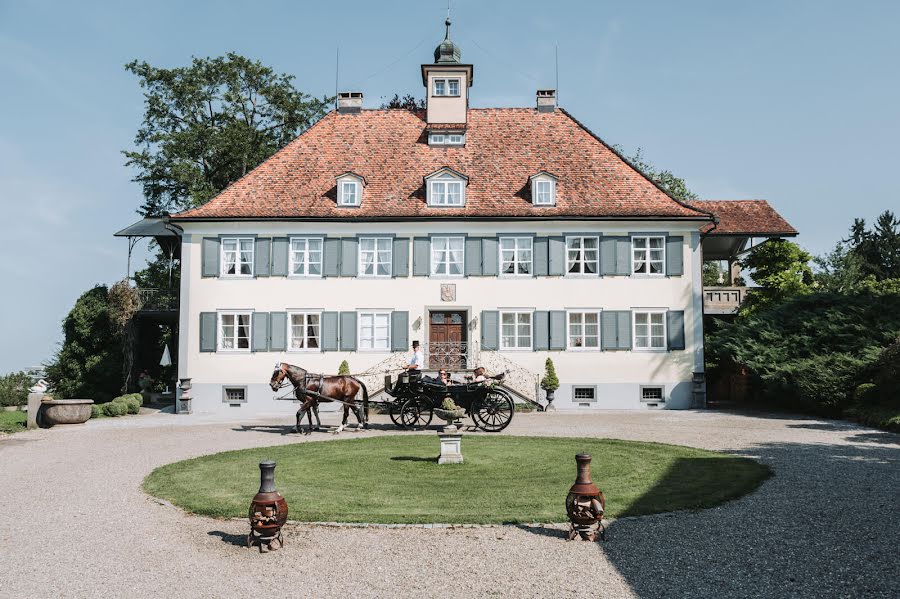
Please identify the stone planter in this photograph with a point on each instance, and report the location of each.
(450, 415)
(65, 411)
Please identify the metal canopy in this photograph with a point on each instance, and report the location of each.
(148, 227)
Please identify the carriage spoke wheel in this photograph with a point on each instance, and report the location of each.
(394, 412)
(494, 412)
(416, 413)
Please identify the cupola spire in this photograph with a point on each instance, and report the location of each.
(447, 51)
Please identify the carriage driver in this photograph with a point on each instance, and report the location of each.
(416, 360)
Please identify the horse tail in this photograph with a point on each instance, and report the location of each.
(365, 400)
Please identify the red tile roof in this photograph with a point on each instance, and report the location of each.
(746, 217)
(504, 147)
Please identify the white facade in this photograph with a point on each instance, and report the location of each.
(617, 377)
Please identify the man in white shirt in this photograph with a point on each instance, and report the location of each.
(416, 360)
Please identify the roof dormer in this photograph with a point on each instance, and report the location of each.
(543, 189)
(350, 189)
(446, 188)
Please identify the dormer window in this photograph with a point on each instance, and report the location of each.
(543, 189)
(446, 139)
(446, 188)
(446, 87)
(349, 190)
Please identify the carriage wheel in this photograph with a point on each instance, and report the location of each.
(494, 412)
(394, 412)
(416, 413)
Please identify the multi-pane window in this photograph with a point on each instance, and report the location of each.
(648, 255)
(582, 255)
(446, 87)
(584, 330)
(447, 255)
(543, 192)
(443, 139)
(515, 330)
(374, 330)
(306, 256)
(234, 331)
(650, 330)
(652, 394)
(375, 256)
(237, 256)
(303, 330)
(516, 255)
(444, 192)
(581, 394)
(349, 195)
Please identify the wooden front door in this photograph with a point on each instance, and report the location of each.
(447, 340)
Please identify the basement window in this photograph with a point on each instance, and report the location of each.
(584, 394)
(234, 395)
(652, 394)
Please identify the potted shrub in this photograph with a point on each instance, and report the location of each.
(449, 411)
(550, 383)
(344, 368)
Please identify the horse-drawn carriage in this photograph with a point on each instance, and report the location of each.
(415, 399)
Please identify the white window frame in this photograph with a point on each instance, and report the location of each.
(571, 346)
(227, 388)
(342, 194)
(220, 336)
(516, 261)
(437, 139)
(292, 262)
(290, 330)
(445, 253)
(581, 261)
(645, 272)
(517, 324)
(238, 262)
(650, 336)
(456, 139)
(439, 191)
(662, 393)
(359, 330)
(446, 139)
(361, 266)
(575, 389)
(536, 196)
(445, 83)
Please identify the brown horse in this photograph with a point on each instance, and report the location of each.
(334, 388)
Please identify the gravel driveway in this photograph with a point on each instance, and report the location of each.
(76, 523)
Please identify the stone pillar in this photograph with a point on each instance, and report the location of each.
(34, 405)
(183, 400)
(451, 446)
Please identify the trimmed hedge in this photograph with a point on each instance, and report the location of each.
(124, 404)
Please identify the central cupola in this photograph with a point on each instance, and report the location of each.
(447, 83)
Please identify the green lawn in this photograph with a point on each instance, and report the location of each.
(12, 422)
(504, 479)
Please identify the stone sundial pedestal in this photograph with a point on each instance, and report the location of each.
(451, 445)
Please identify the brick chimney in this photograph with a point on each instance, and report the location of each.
(350, 102)
(546, 100)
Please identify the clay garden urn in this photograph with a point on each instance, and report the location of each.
(585, 503)
(268, 511)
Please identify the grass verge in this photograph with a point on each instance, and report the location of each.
(397, 479)
(12, 422)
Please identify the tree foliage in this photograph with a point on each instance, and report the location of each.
(89, 362)
(14, 389)
(407, 102)
(781, 269)
(674, 186)
(866, 259)
(550, 382)
(208, 124)
(344, 368)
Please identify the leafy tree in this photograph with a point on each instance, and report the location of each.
(407, 102)
(89, 363)
(674, 186)
(781, 268)
(878, 250)
(156, 275)
(208, 124)
(711, 273)
(14, 389)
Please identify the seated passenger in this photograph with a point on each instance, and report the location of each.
(445, 377)
(478, 375)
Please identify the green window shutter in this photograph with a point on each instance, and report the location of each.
(490, 329)
(540, 330)
(209, 323)
(210, 258)
(399, 331)
(473, 257)
(278, 331)
(675, 256)
(400, 257)
(557, 329)
(490, 250)
(624, 329)
(675, 328)
(259, 331)
(348, 331)
(607, 255)
(330, 331)
(539, 256)
(421, 257)
(623, 255)
(349, 256)
(609, 330)
(331, 257)
(557, 256)
(280, 249)
(262, 257)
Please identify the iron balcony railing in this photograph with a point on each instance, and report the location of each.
(157, 300)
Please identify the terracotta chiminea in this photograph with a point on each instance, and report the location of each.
(585, 503)
(268, 511)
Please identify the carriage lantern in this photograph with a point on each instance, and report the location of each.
(268, 511)
(585, 503)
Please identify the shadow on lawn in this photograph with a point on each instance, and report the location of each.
(824, 525)
(409, 458)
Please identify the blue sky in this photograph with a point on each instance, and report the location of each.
(792, 101)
